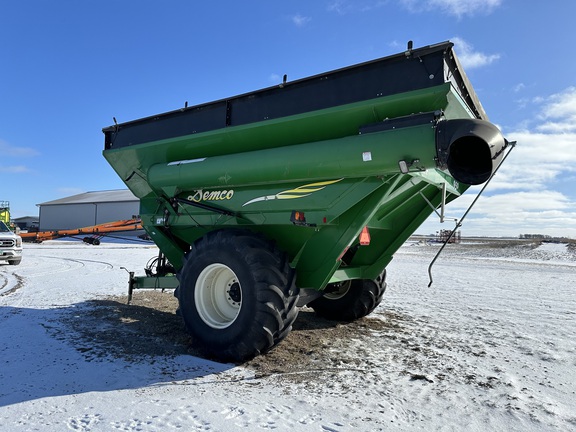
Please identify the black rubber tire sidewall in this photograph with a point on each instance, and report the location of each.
(266, 314)
(361, 299)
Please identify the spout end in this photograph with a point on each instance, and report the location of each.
(470, 149)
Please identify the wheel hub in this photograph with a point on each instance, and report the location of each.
(218, 296)
(337, 290)
(235, 293)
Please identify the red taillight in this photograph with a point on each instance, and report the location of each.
(298, 218)
(364, 237)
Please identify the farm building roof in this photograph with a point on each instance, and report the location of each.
(118, 195)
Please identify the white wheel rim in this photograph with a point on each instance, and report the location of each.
(218, 296)
(340, 292)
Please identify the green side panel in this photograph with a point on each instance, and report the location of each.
(132, 163)
(392, 212)
(336, 211)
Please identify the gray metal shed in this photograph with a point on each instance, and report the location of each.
(87, 209)
(26, 222)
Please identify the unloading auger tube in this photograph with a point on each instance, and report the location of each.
(469, 149)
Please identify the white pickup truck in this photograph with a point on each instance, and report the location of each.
(10, 245)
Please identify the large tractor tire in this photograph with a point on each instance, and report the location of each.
(350, 300)
(237, 295)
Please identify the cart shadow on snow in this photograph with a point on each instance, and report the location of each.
(106, 344)
(94, 346)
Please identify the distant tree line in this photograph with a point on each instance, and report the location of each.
(546, 238)
(535, 236)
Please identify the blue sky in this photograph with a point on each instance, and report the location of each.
(68, 67)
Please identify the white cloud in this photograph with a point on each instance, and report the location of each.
(8, 150)
(546, 150)
(559, 113)
(537, 148)
(343, 7)
(373, 5)
(15, 169)
(519, 87)
(457, 8)
(537, 161)
(469, 57)
(511, 214)
(300, 20)
(338, 6)
(503, 204)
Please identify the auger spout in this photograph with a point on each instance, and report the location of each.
(470, 149)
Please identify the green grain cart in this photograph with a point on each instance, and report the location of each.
(300, 194)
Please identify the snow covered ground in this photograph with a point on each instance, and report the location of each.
(491, 345)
